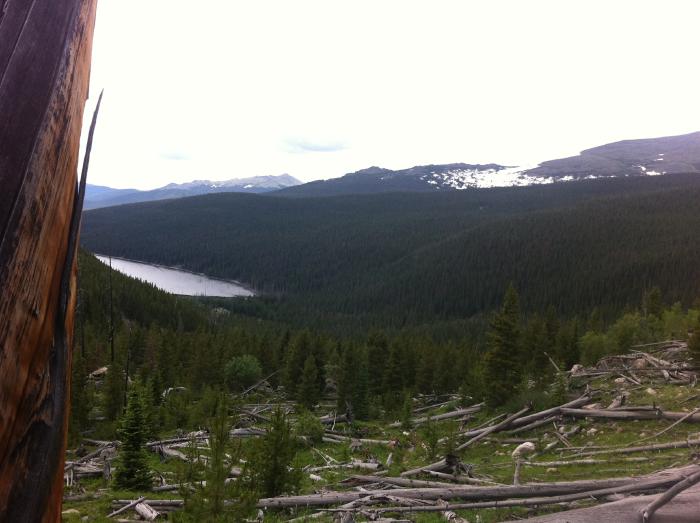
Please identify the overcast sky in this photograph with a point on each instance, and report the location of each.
(225, 89)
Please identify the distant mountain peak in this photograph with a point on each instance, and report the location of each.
(98, 196)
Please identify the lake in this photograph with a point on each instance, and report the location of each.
(177, 281)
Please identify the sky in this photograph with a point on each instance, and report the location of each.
(221, 89)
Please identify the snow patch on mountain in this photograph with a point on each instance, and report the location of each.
(461, 179)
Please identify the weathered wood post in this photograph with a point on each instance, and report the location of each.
(45, 50)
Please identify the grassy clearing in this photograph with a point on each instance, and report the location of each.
(491, 459)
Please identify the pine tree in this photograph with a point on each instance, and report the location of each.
(308, 392)
(407, 411)
(208, 502)
(536, 344)
(113, 396)
(425, 372)
(269, 470)
(652, 304)
(377, 353)
(80, 398)
(360, 394)
(393, 382)
(133, 472)
(502, 361)
(294, 360)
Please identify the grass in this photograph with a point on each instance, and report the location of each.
(491, 459)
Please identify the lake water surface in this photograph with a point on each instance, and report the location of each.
(176, 281)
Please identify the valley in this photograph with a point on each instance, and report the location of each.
(440, 312)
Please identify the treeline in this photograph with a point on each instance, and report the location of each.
(394, 260)
(183, 354)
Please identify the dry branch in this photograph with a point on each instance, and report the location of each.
(126, 507)
(494, 428)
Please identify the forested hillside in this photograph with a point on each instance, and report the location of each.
(181, 370)
(413, 258)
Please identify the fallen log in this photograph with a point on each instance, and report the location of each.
(631, 415)
(654, 436)
(577, 462)
(667, 496)
(493, 428)
(525, 420)
(554, 411)
(657, 446)
(368, 441)
(146, 511)
(646, 486)
(454, 492)
(433, 406)
(684, 509)
(332, 419)
(439, 417)
(439, 465)
(533, 425)
(351, 465)
(170, 441)
(175, 503)
(460, 478)
(126, 507)
(400, 482)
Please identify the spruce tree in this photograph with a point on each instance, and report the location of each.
(294, 360)
(113, 395)
(133, 472)
(269, 470)
(502, 360)
(307, 391)
(393, 382)
(536, 344)
(360, 394)
(425, 372)
(353, 382)
(80, 398)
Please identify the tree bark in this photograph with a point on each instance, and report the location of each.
(45, 49)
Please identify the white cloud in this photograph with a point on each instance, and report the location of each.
(222, 89)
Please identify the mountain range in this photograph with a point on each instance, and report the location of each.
(97, 196)
(645, 157)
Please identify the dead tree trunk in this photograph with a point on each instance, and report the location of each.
(45, 48)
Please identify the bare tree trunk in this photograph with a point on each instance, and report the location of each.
(45, 49)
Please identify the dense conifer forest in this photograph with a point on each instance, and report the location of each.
(164, 342)
(413, 259)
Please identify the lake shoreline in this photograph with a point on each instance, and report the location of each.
(104, 258)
